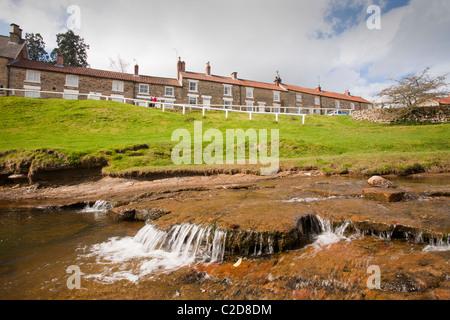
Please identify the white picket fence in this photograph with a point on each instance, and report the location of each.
(165, 104)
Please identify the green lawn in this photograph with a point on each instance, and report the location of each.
(80, 130)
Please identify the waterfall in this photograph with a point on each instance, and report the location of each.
(99, 206)
(153, 250)
(187, 241)
(329, 234)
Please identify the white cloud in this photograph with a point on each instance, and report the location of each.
(254, 37)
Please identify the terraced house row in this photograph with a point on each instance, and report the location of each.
(190, 88)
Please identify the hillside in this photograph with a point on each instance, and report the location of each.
(121, 138)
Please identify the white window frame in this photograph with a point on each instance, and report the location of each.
(29, 94)
(317, 101)
(118, 86)
(276, 108)
(299, 109)
(193, 96)
(117, 98)
(298, 97)
(71, 94)
(261, 106)
(143, 85)
(352, 105)
(337, 104)
(33, 76)
(94, 95)
(249, 93)
(277, 96)
(166, 92)
(227, 90)
(250, 105)
(73, 82)
(227, 103)
(195, 83)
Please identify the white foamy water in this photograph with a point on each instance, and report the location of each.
(99, 206)
(329, 235)
(311, 199)
(153, 250)
(438, 245)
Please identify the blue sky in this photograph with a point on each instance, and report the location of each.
(302, 39)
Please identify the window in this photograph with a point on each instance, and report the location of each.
(249, 106)
(299, 110)
(298, 97)
(352, 106)
(276, 96)
(337, 104)
(71, 94)
(193, 100)
(193, 86)
(276, 108)
(32, 94)
(317, 101)
(227, 103)
(143, 89)
(249, 93)
(227, 90)
(117, 98)
(71, 81)
(117, 86)
(94, 95)
(33, 76)
(169, 92)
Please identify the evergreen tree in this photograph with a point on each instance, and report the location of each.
(36, 47)
(72, 48)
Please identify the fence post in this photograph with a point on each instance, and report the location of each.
(276, 117)
(250, 113)
(226, 114)
(303, 116)
(204, 111)
(163, 107)
(184, 110)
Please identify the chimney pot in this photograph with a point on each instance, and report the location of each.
(136, 70)
(208, 68)
(319, 88)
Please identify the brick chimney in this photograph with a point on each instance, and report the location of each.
(60, 61)
(347, 93)
(136, 70)
(208, 69)
(16, 33)
(181, 67)
(234, 75)
(319, 88)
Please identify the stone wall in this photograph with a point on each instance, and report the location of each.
(416, 114)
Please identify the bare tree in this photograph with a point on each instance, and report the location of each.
(119, 64)
(415, 89)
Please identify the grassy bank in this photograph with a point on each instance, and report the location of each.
(127, 138)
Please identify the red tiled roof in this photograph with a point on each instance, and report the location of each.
(229, 80)
(46, 66)
(327, 94)
(443, 101)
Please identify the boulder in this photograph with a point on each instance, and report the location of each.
(122, 214)
(383, 195)
(380, 182)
